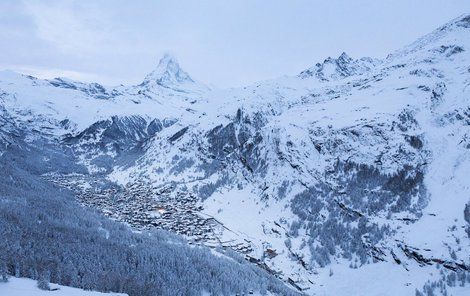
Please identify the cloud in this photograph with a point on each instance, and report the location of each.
(50, 73)
(71, 26)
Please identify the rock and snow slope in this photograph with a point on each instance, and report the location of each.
(358, 166)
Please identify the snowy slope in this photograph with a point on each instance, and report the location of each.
(28, 287)
(354, 165)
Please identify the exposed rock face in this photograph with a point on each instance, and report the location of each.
(466, 214)
(115, 139)
(8, 130)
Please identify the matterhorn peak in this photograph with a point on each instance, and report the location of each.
(168, 73)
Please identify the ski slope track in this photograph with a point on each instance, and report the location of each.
(351, 178)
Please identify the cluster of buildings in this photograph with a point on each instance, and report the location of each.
(144, 207)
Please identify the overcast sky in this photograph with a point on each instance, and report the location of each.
(225, 43)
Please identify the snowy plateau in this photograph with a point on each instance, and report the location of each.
(350, 178)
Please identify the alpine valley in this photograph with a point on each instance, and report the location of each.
(350, 178)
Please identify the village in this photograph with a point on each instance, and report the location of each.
(144, 207)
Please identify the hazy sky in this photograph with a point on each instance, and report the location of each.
(226, 43)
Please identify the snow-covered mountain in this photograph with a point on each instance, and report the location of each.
(342, 67)
(168, 74)
(349, 177)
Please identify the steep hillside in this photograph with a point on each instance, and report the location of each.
(47, 236)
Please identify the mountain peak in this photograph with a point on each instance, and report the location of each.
(168, 62)
(344, 58)
(168, 73)
(341, 67)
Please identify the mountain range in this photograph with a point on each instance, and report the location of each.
(350, 178)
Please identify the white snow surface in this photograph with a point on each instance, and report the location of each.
(28, 287)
